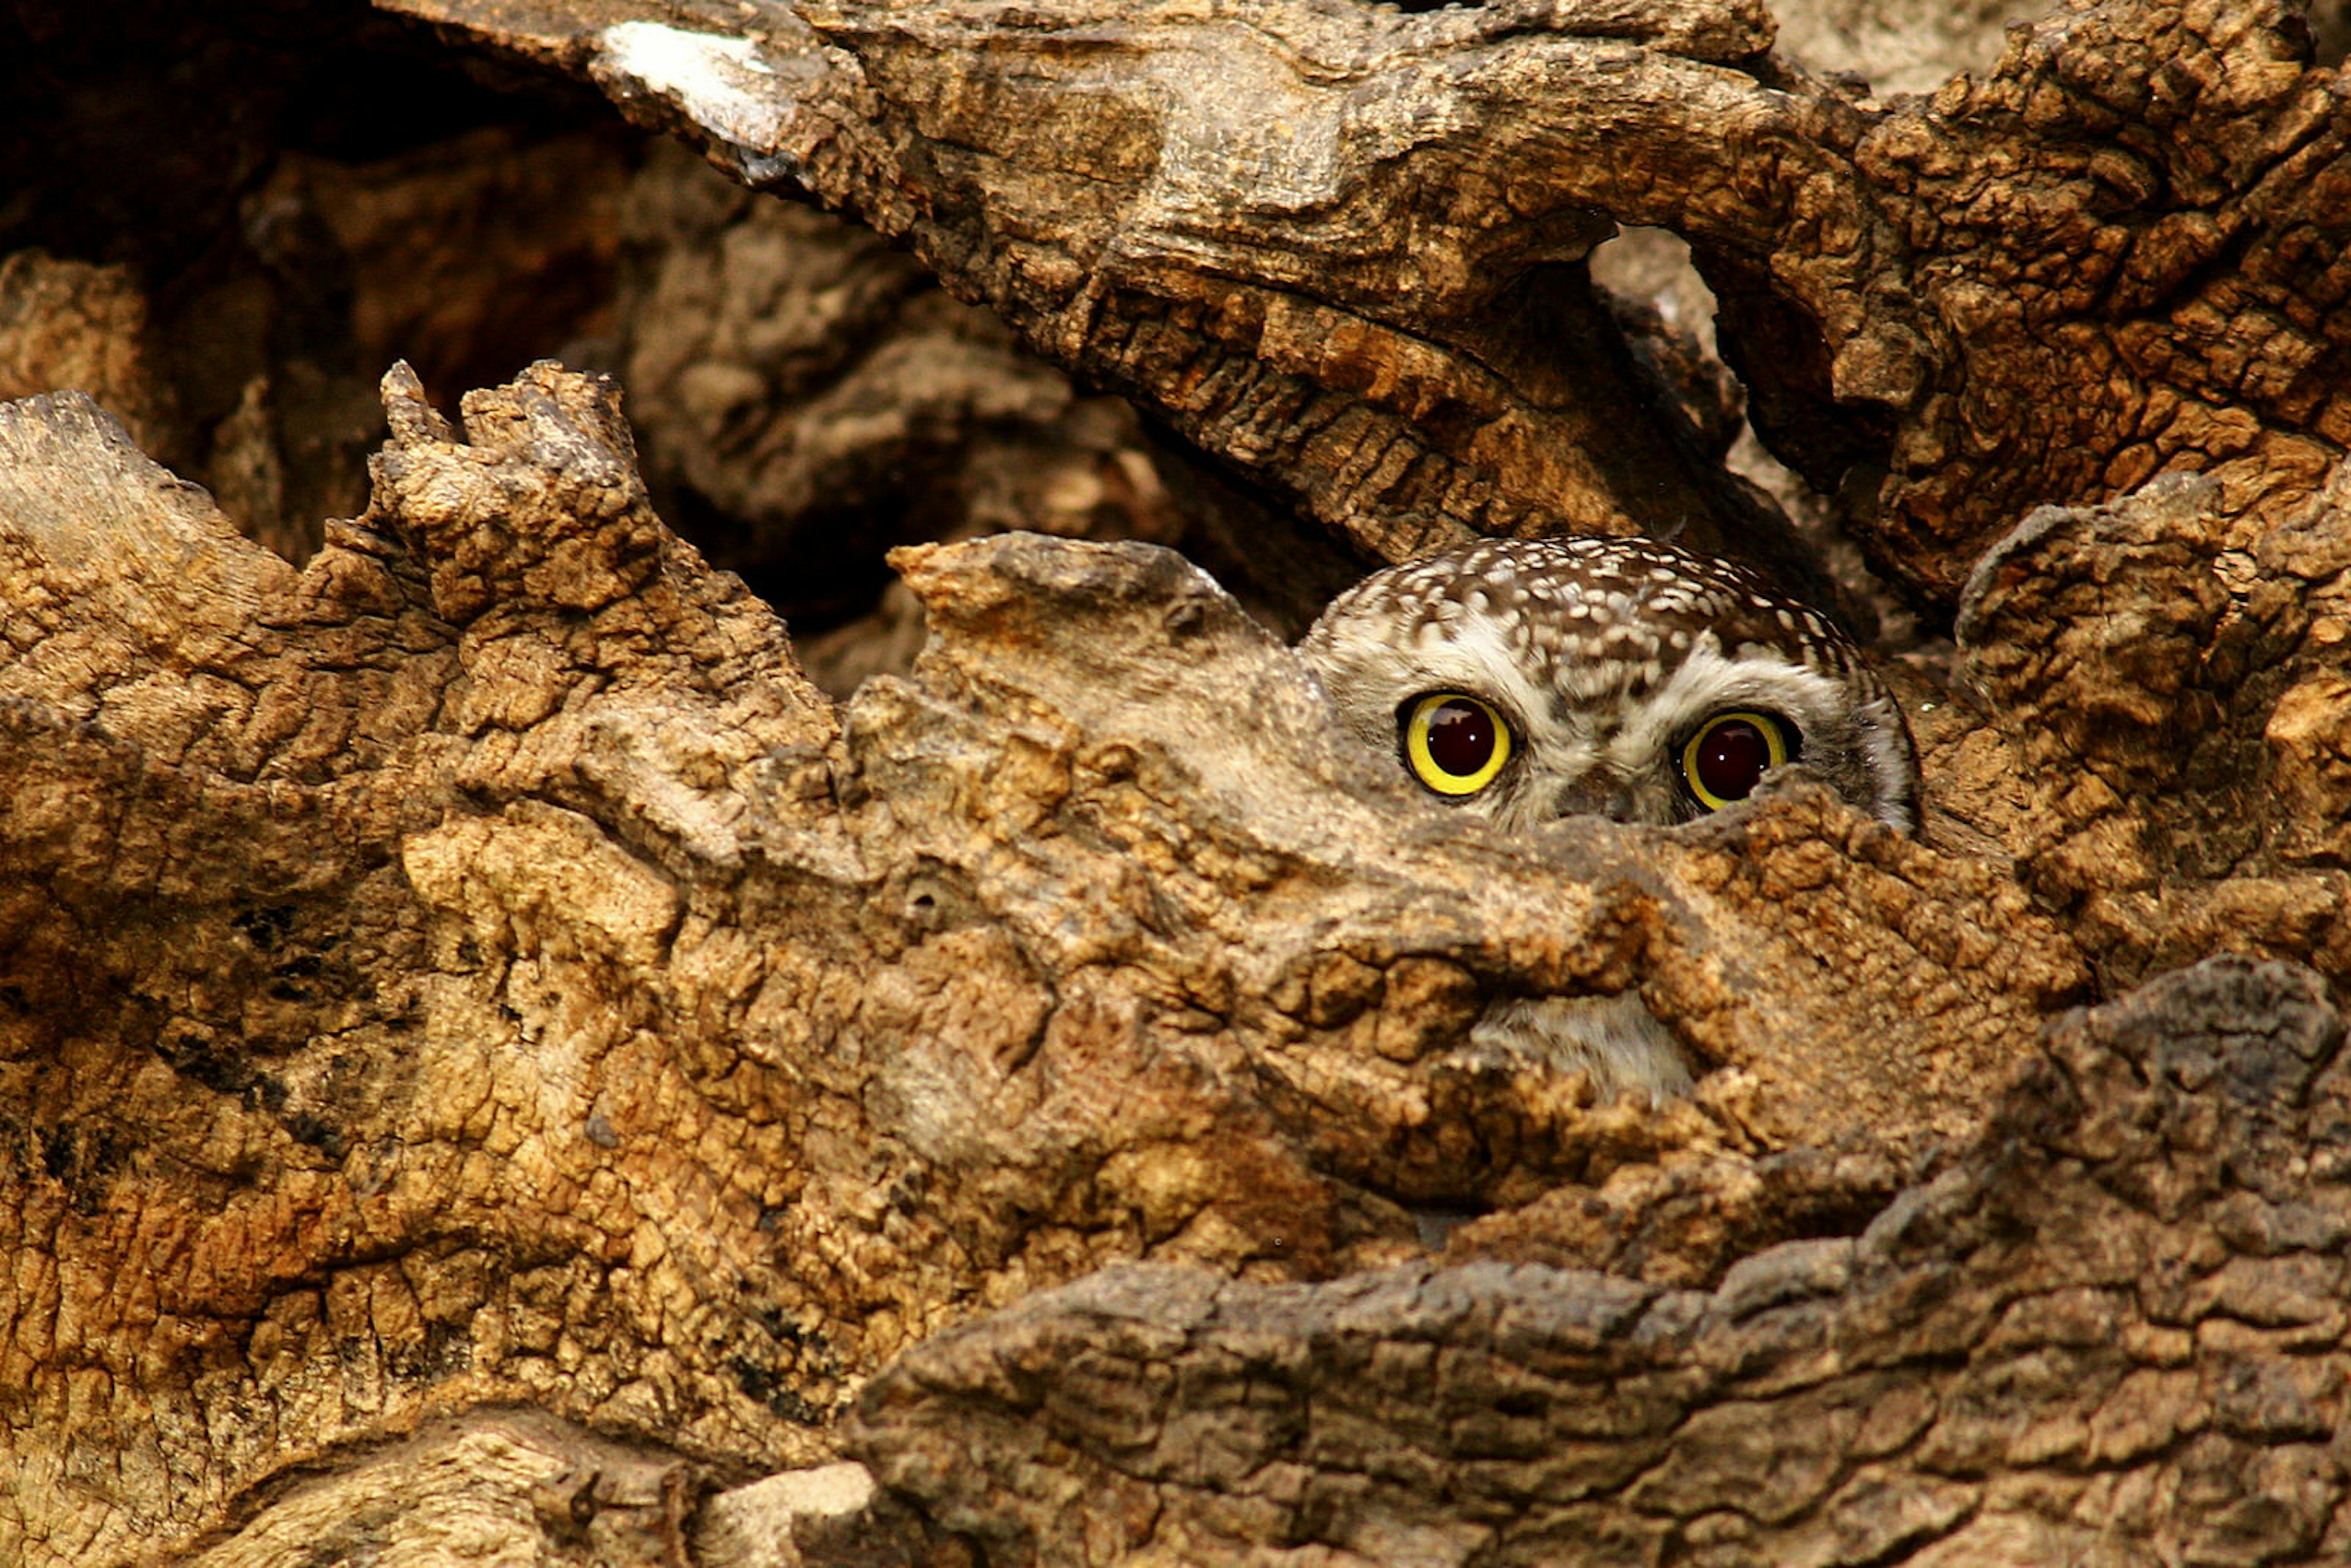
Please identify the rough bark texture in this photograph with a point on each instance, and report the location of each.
(2112, 1333)
(540, 993)
(496, 1063)
(1997, 298)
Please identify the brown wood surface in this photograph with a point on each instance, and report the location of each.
(496, 1063)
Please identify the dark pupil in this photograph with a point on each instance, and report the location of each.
(1731, 758)
(1460, 737)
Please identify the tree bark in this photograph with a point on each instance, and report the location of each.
(498, 1062)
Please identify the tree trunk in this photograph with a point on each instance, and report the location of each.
(500, 1065)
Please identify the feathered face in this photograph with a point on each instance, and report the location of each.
(1534, 679)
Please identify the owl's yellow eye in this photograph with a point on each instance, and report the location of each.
(1731, 752)
(1454, 743)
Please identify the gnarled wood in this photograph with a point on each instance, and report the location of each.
(2111, 1332)
(568, 1006)
(496, 1060)
(1280, 226)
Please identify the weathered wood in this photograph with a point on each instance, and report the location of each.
(2113, 1333)
(1263, 227)
(567, 1006)
(493, 1060)
(2114, 256)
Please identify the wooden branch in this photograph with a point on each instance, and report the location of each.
(1112, 182)
(1277, 226)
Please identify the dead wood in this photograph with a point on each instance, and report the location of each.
(1963, 306)
(497, 1061)
(2111, 1333)
(543, 995)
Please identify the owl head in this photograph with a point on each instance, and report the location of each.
(1531, 679)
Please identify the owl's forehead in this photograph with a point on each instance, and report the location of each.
(1570, 608)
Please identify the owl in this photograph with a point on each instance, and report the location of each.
(1526, 679)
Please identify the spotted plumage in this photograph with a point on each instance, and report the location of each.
(1527, 680)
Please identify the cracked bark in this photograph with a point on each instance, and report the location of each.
(2111, 1332)
(496, 1060)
